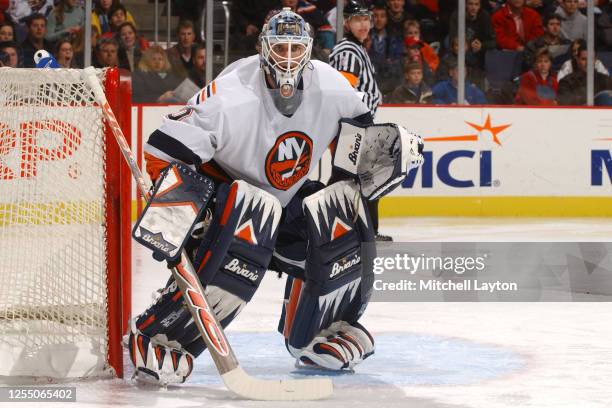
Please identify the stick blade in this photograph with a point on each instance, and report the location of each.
(238, 381)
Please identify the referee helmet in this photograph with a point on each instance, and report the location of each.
(355, 8)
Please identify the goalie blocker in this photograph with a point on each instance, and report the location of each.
(178, 200)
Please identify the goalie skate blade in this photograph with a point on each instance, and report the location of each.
(238, 381)
(318, 370)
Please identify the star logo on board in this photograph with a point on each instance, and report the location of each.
(486, 128)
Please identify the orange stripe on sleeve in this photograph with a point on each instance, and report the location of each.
(214, 88)
(350, 77)
(154, 166)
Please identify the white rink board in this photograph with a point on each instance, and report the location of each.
(542, 152)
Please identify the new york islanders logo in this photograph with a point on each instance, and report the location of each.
(288, 160)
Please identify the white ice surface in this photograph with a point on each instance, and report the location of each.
(429, 355)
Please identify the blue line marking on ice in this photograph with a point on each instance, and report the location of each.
(401, 359)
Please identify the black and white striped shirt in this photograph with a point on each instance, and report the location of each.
(350, 58)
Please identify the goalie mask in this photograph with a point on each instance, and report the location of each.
(285, 50)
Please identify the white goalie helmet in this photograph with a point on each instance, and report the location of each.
(286, 46)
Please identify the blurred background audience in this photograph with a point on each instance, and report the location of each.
(517, 51)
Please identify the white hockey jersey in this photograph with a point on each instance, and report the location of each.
(233, 121)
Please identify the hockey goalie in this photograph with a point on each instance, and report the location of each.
(240, 153)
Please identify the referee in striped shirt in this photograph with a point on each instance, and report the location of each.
(350, 58)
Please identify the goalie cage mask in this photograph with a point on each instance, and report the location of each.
(286, 46)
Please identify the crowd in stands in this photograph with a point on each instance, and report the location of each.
(413, 45)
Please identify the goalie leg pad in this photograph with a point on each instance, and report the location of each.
(336, 286)
(231, 261)
(237, 248)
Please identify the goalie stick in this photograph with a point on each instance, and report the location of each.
(234, 377)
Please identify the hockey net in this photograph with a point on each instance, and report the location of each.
(63, 280)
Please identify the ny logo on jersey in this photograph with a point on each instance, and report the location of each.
(289, 159)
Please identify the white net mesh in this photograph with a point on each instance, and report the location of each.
(52, 236)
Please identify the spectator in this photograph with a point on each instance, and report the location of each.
(37, 29)
(386, 51)
(198, 71)
(78, 47)
(604, 28)
(22, 10)
(384, 45)
(64, 54)
(551, 40)
(568, 66)
(572, 88)
(574, 24)
(445, 92)
(132, 45)
(248, 17)
(515, 25)
(539, 85)
(107, 53)
(324, 34)
(180, 55)
(7, 32)
(11, 50)
(426, 12)
(603, 98)
(397, 16)
(413, 29)
(413, 90)
(117, 15)
(479, 31)
(413, 54)
(475, 73)
(4, 5)
(66, 20)
(328, 8)
(100, 17)
(154, 80)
